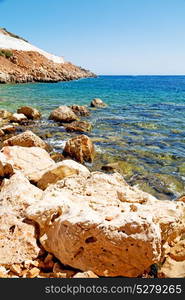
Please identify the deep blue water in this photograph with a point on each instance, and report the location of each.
(143, 125)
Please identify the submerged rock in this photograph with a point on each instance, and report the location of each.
(98, 103)
(32, 161)
(26, 139)
(79, 126)
(29, 112)
(63, 114)
(102, 224)
(80, 110)
(80, 148)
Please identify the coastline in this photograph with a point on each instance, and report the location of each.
(63, 192)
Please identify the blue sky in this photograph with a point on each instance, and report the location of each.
(106, 36)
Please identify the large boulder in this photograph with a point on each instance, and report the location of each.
(18, 241)
(102, 224)
(30, 112)
(26, 139)
(79, 126)
(33, 162)
(63, 114)
(17, 193)
(98, 103)
(80, 110)
(80, 148)
(60, 171)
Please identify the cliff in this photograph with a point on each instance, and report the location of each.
(22, 62)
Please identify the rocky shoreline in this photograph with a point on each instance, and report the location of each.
(58, 219)
(22, 62)
(29, 66)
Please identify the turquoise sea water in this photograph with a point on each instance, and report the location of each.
(143, 126)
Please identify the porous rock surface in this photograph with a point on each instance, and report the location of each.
(17, 240)
(79, 126)
(26, 139)
(31, 161)
(80, 148)
(30, 112)
(63, 114)
(17, 193)
(18, 118)
(61, 170)
(80, 110)
(102, 224)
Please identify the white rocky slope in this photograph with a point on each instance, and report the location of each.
(8, 42)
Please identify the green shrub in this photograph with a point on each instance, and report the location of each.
(6, 53)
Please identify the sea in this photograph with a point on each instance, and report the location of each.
(142, 129)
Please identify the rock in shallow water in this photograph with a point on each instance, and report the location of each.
(80, 110)
(63, 114)
(79, 126)
(102, 224)
(80, 148)
(30, 112)
(98, 103)
(18, 118)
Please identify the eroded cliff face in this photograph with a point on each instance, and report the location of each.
(29, 66)
(22, 62)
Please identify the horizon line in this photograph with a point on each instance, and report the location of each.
(136, 75)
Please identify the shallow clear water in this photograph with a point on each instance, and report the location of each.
(143, 125)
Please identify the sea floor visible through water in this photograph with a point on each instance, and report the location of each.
(143, 127)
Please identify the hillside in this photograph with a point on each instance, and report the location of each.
(22, 62)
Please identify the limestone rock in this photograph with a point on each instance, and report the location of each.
(178, 251)
(85, 225)
(4, 114)
(88, 274)
(29, 112)
(80, 110)
(6, 168)
(182, 198)
(26, 139)
(60, 171)
(17, 193)
(31, 161)
(80, 148)
(172, 269)
(18, 118)
(17, 240)
(8, 129)
(98, 103)
(63, 114)
(1, 133)
(79, 126)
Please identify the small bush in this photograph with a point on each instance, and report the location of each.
(6, 53)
